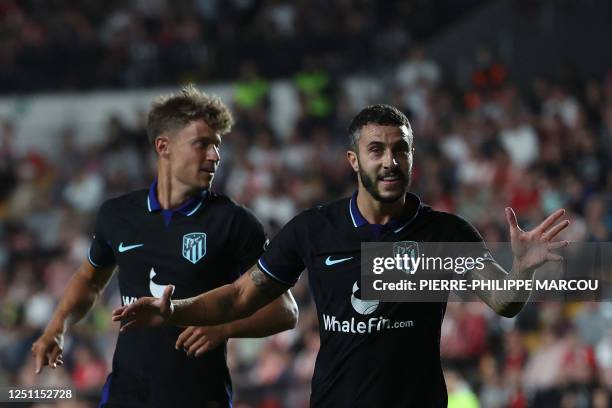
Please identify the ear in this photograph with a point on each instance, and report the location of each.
(351, 156)
(162, 146)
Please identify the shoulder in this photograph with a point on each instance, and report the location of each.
(455, 225)
(335, 209)
(126, 202)
(315, 217)
(323, 211)
(232, 209)
(449, 219)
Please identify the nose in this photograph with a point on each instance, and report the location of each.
(212, 154)
(389, 160)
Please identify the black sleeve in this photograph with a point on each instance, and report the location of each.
(466, 232)
(283, 259)
(468, 243)
(250, 238)
(101, 252)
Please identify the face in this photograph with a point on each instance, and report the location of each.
(383, 161)
(192, 154)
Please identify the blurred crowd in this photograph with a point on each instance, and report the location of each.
(478, 150)
(67, 44)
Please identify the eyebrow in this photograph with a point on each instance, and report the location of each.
(402, 141)
(216, 139)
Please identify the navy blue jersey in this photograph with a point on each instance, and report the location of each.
(208, 242)
(373, 354)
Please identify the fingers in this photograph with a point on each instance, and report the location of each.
(195, 336)
(129, 325)
(550, 220)
(511, 218)
(556, 245)
(186, 338)
(552, 233)
(194, 341)
(39, 357)
(116, 315)
(128, 310)
(183, 336)
(165, 299)
(53, 356)
(42, 357)
(203, 349)
(201, 343)
(553, 257)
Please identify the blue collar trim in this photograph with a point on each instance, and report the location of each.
(188, 208)
(397, 224)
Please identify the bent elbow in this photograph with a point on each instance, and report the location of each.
(508, 314)
(293, 317)
(509, 311)
(291, 308)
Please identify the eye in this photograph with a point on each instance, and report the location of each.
(375, 149)
(401, 148)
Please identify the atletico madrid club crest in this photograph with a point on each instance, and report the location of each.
(194, 246)
(409, 248)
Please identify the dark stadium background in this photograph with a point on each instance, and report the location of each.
(510, 101)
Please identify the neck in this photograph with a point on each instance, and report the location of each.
(377, 212)
(170, 192)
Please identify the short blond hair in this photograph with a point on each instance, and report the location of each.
(171, 113)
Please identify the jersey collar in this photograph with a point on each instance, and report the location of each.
(395, 224)
(188, 208)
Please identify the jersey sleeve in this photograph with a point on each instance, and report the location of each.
(100, 252)
(283, 259)
(469, 243)
(250, 238)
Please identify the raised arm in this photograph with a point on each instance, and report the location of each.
(78, 298)
(234, 301)
(531, 249)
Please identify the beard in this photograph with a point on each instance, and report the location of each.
(371, 184)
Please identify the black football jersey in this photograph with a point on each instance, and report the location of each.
(206, 243)
(372, 354)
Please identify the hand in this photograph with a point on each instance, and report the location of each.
(533, 248)
(198, 340)
(146, 311)
(47, 350)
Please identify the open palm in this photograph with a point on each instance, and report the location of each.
(533, 248)
(146, 311)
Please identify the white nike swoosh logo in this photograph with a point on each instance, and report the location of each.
(330, 262)
(127, 248)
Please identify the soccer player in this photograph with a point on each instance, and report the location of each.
(373, 367)
(181, 233)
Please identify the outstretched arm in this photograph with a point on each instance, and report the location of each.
(279, 315)
(234, 301)
(79, 296)
(531, 249)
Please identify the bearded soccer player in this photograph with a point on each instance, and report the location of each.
(181, 233)
(386, 368)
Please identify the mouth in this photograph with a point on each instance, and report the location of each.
(207, 170)
(391, 179)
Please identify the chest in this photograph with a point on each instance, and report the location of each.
(191, 253)
(337, 254)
